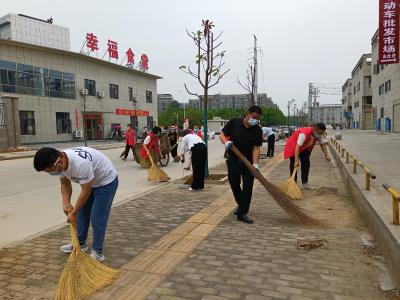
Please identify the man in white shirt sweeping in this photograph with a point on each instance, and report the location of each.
(192, 142)
(98, 179)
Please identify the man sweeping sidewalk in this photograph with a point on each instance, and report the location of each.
(98, 180)
(299, 146)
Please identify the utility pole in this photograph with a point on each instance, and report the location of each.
(310, 112)
(255, 71)
(315, 94)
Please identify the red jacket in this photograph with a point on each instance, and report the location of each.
(200, 134)
(291, 143)
(130, 137)
(153, 143)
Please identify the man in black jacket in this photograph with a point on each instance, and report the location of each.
(246, 135)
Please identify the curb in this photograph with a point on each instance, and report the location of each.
(387, 234)
(98, 147)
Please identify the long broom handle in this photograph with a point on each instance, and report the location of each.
(293, 174)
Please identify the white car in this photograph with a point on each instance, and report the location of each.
(211, 135)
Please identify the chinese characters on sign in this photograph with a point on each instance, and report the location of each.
(112, 49)
(388, 31)
(132, 112)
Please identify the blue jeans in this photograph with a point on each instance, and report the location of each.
(96, 210)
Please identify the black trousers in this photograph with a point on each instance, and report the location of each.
(237, 174)
(271, 145)
(127, 148)
(174, 150)
(305, 165)
(199, 158)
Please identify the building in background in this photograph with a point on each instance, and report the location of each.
(216, 124)
(34, 31)
(347, 107)
(362, 93)
(329, 114)
(54, 95)
(163, 101)
(386, 92)
(235, 101)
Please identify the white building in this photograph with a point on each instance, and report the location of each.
(35, 31)
(347, 106)
(386, 92)
(362, 93)
(216, 124)
(328, 114)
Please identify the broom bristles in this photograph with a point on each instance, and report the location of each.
(290, 187)
(82, 276)
(295, 213)
(155, 173)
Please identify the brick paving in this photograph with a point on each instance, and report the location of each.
(233, 261)
(260, 261)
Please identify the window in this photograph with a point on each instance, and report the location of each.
(369, 80)
(382, 112)
(367, 100)
(90, 85)
(27, 122)
(149, 97)
(358, 86)
(31, 80)
(388, 85)
(130, 94)
(381, 89)
(356, 104)
(63, 122)
(114, 91)
(355, 90)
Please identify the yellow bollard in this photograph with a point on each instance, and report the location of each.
(354, 166)
(347, 157)
(367, 181)
(343, 152)
(395, 204)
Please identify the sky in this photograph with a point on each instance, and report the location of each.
(299, 41)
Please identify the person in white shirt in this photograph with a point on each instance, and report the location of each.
(98, 179)
(269, 135)
(192, 142)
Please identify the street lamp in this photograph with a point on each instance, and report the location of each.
(290, 102)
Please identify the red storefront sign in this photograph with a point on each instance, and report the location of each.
(131, 112)
(389, 31)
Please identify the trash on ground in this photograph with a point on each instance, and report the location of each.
(309, 244)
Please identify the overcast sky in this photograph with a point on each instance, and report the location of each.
(301, 41)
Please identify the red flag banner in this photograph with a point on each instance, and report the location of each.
(132, 112)
(389, 31)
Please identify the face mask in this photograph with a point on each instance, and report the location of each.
(196, 129)
(54, 173)
(252, 122)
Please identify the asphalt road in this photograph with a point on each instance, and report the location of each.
(30, 202)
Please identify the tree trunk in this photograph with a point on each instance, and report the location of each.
(205, 126)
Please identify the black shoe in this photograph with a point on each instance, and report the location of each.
(235, 212)
(245, 218)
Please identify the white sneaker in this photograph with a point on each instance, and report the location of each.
(68, 248)
(306, 186)
(96, 256)
(190, 189)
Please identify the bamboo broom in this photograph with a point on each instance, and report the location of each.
(82, 276)
(295, 213)
(290, 187)
(155, 173)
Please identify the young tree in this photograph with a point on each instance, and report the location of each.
(209, 64)
(249, 85)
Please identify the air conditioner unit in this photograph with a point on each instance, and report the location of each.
(84, 92)
(100, 94)
(78, 134)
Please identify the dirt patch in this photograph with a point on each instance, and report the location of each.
(211, 179)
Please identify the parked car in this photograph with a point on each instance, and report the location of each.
(211, 135)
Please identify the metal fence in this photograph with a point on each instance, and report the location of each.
(2, 114)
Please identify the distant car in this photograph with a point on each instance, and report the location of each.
(211, 135)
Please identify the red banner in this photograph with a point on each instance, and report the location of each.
(131, 112)
(389, 31)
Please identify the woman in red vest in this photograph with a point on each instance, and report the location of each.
(130, 141)
(299, 147)
(152, 142)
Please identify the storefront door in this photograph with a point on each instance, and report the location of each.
(93, 126)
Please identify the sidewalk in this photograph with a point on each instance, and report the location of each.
(380, 152)
(100, 145)
(172, 244)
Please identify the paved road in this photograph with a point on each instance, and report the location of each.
(30, 201)
(380, 152)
